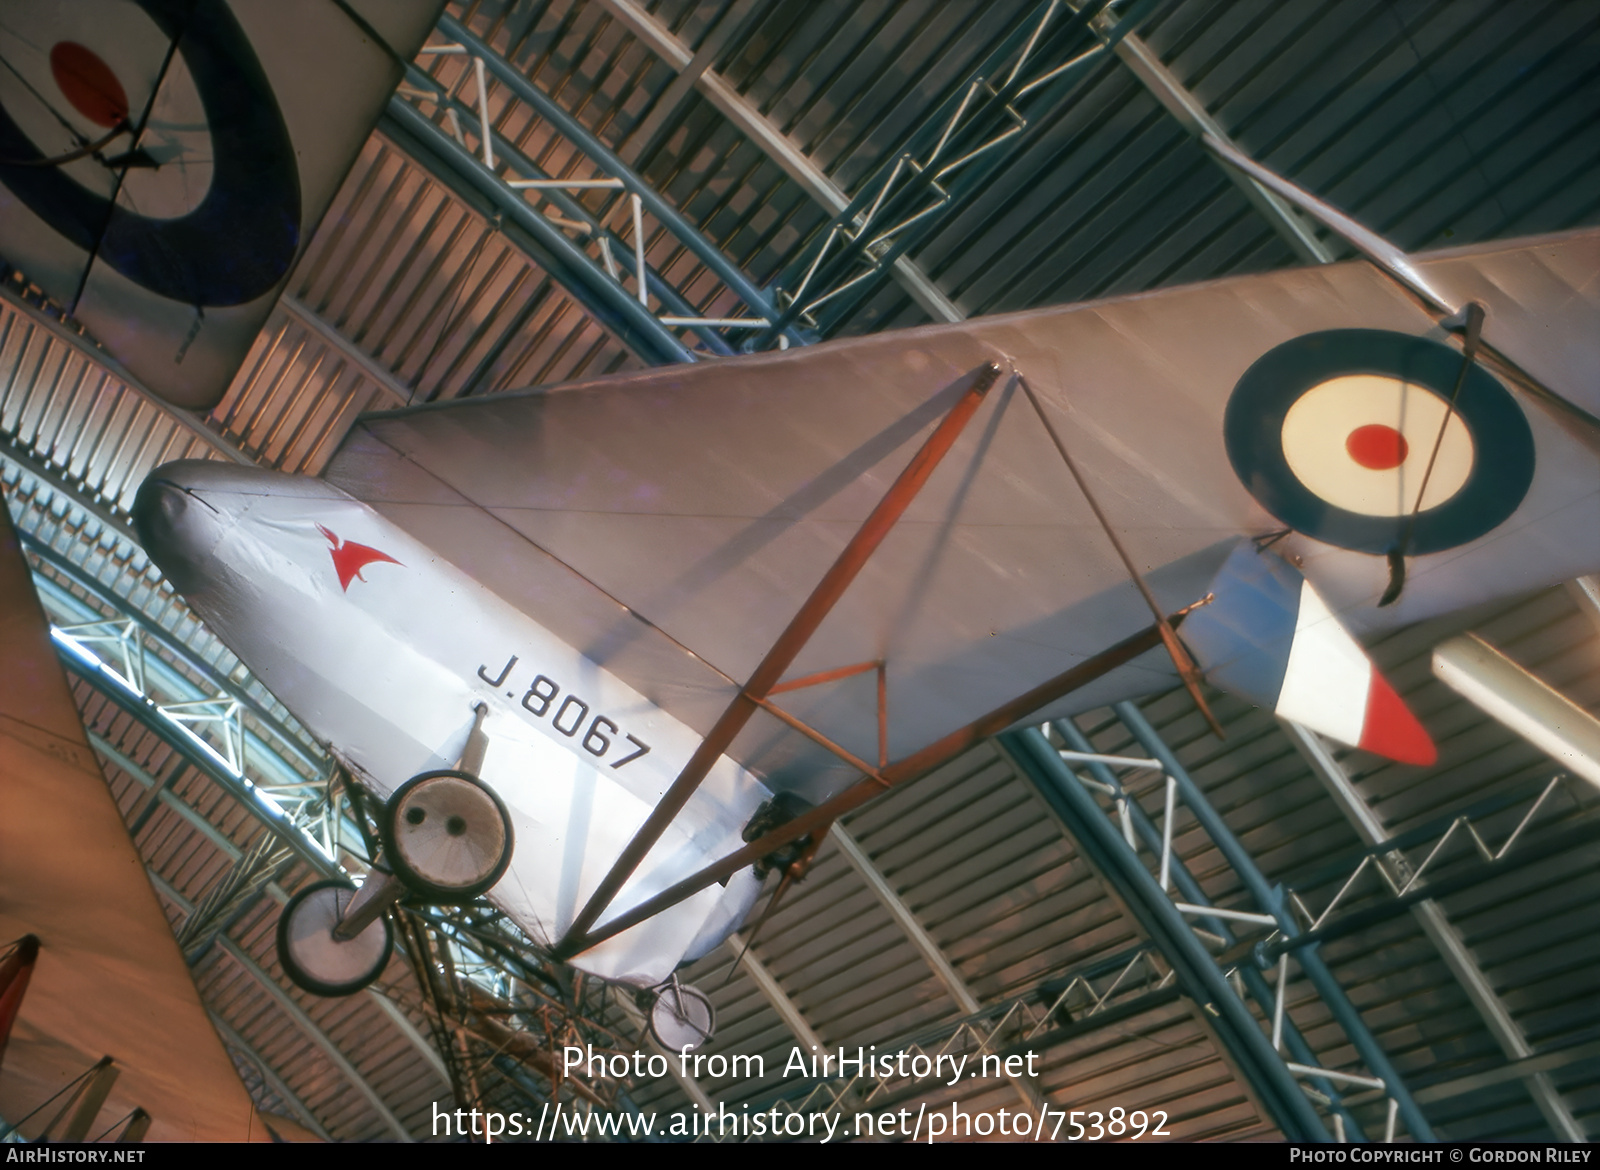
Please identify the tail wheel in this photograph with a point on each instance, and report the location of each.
(447, 836)
(681, 1017)
(316, 961)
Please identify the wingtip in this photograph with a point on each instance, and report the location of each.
(1392, 730)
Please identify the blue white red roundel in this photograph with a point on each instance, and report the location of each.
(1333, 434)
(209, 213)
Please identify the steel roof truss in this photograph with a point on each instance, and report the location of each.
(1441, 932)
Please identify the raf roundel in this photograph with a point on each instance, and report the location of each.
(241, 235)
(1334, 434)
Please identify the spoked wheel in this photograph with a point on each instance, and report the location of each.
(315, 960)
(681, 1016)
(447, 836)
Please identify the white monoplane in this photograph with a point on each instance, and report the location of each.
(657, 627)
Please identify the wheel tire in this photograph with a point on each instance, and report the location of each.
(447, 836)
(317, 962)
(681, 1017)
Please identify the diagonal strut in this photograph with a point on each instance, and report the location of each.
(789, 644)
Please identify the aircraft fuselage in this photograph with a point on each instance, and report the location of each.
(384, 650)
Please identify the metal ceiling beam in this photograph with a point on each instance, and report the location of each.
(237, 787)
(1544, 1062)
(581, 136)
(930, 951)
(318, 1037)
(57, 480)
(577, 214)
(274, 1082)
(1194, 894)
(1193, 116)
(278, 767)
(772, 142)
(1586, 593)
(1105, 842)
(643, 137)
(226, 681)
(165, 795)
(1473, 872)
(1310, 958)
(421, 1043)
(1229, 1020)
(485, 193)
(907, 921)
(295, 1012)
(373, 370)
(775, 995)
(955, 152)
(85, 347)
(1442, 933)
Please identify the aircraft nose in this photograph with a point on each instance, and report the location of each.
(177, 528)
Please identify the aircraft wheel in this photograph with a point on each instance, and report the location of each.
(315, 960)
(447, 836)
(681, 1017)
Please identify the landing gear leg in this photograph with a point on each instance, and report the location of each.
(447, 835)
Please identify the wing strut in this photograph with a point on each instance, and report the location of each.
(793, 639)
(918, 764)
(822, 676)
(792, 873)
(1397, 555)
(1187, 670)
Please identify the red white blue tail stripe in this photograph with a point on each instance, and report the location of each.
(1269, 638)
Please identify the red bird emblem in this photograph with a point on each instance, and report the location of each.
(349, 558)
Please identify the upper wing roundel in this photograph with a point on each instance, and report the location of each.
(1335, 433)
(163, 162)
(225, 243)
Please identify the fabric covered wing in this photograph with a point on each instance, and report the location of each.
(223, 131)
(707, 501)
(110, 979)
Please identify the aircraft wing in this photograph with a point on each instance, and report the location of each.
(670, 523)
(109, 979)
(162, 164)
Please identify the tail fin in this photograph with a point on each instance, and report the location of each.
(1269, 638)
